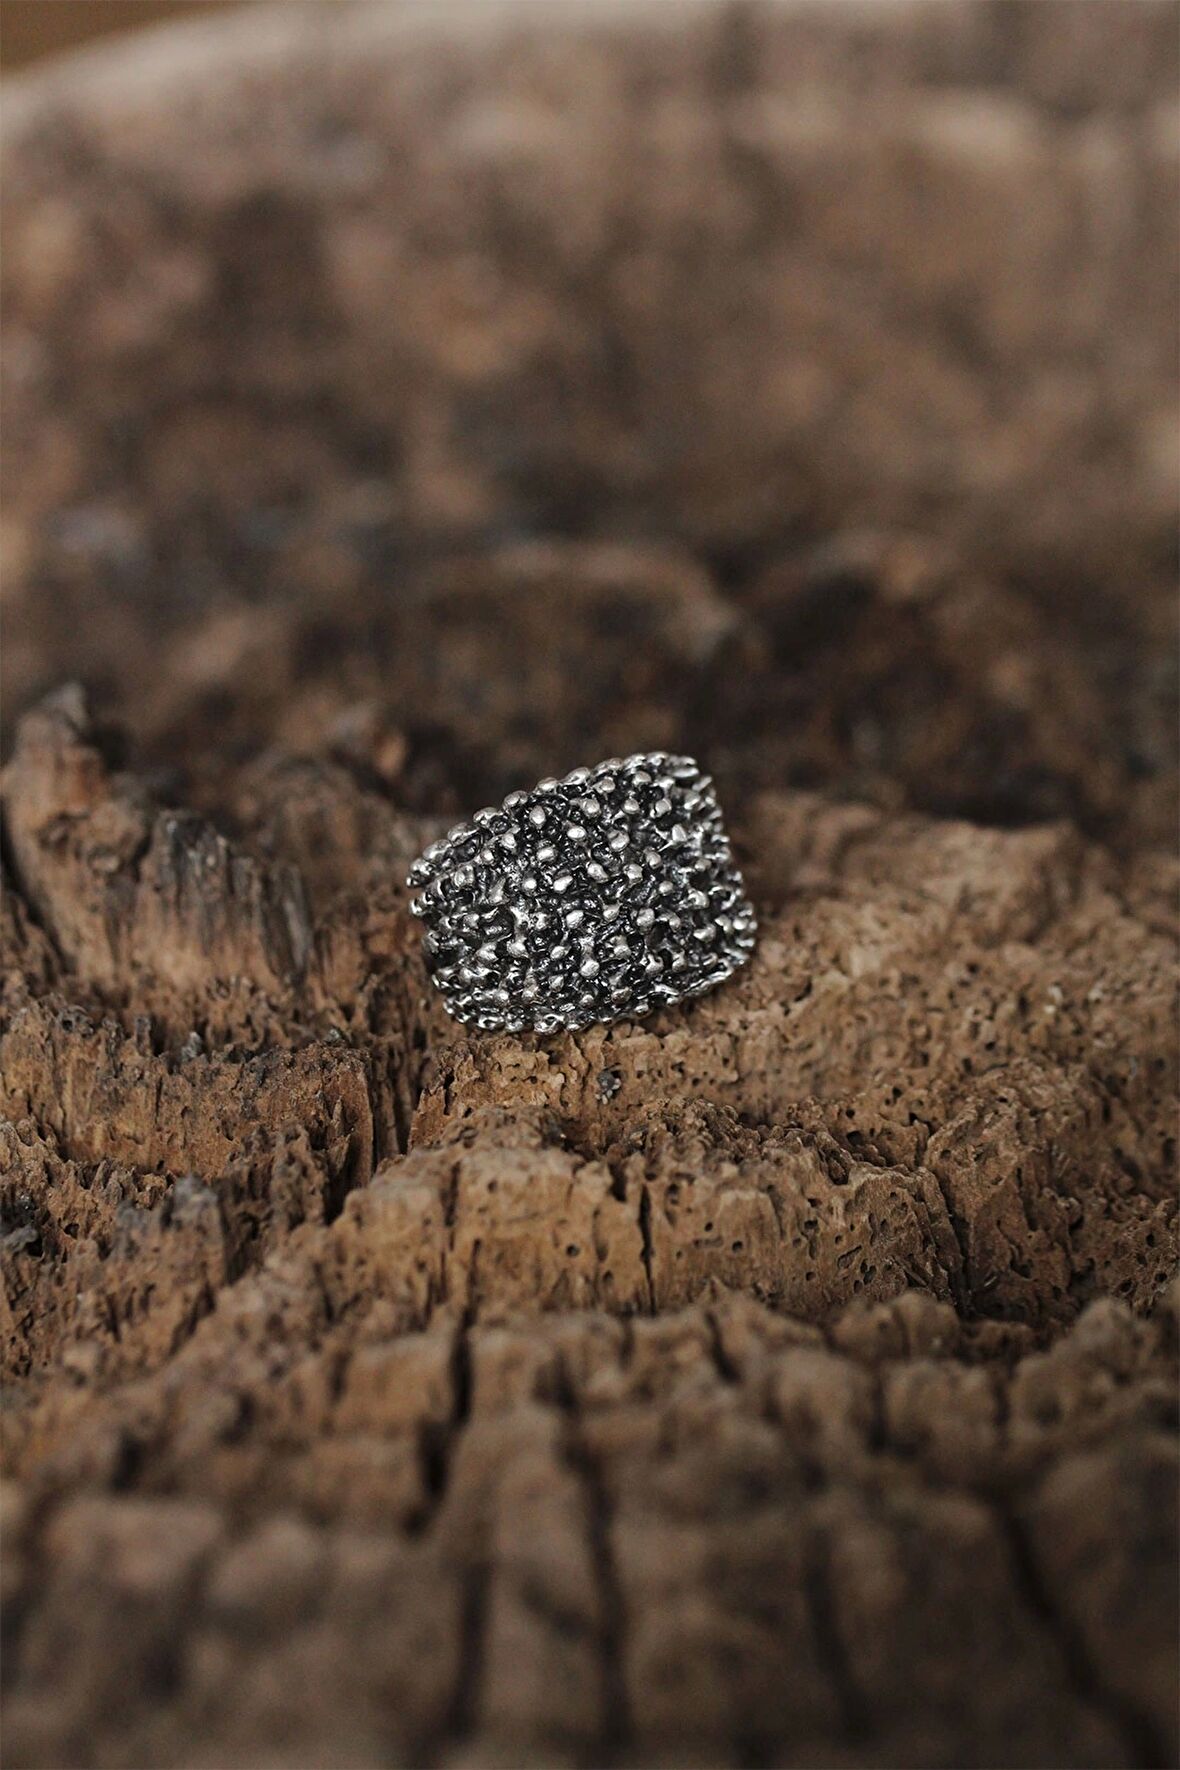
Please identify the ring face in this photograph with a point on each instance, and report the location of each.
(595, 898)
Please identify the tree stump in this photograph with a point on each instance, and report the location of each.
(406, 403)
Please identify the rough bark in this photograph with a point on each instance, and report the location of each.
(788, 1379)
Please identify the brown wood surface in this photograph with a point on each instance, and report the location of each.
(397, 412)
(33, 29)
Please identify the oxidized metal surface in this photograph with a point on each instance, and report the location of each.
(599, 897)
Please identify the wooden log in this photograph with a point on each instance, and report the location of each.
(403, 404)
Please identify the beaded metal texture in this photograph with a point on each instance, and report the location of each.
(595, 898)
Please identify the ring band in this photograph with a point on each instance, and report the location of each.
(600, 897)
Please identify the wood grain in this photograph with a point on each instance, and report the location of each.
(400, 413)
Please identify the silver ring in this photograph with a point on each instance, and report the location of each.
(600, 897)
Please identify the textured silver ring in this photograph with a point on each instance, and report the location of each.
(600, 897)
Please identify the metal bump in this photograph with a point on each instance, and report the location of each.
(681, 916)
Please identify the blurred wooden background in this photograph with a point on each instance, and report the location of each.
(30, 29)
